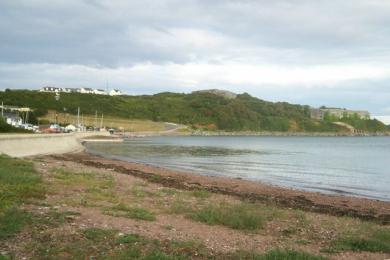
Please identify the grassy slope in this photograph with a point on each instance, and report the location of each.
(131, 125)
(200, 110)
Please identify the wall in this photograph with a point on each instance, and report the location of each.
(21, 145)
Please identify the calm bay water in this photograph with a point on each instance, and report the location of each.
(354, 166)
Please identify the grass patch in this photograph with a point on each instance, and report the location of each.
(97, 194)
(122, 210)
(200, 194)
(275, 254)
(12, 220)
(93, 243)
(96, 243)
(129, 239)
(236, 217)
(243, 216)
(377, 241)
(167, 191)
(88, 179)
(180, 206)
(96, 187)
(155, 178)
(140, 192)
(99, 235)
(19, 182)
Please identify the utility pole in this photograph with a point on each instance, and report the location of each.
(2, 109)
(101, 122)
(96, 120)
(78, 117)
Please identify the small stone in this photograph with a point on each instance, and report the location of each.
(70, 217)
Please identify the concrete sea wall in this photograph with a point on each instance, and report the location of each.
(21, 145)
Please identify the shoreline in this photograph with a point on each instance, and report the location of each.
(336, 205)
(283, 134)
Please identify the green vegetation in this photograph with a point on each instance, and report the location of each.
(12, 220)
(378, 241)
(122, 210)
(39, 230)
(275, 254)
(200, 194)
(98, 243)
(19, 182)
(96, 188)
(358, 123)
(199, 110)
(241, 216)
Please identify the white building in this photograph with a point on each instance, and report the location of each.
(99, 92)
(115, 92)
(86, 90)
(51, 89)
(71, 90)
(70, 128)
(13, 120)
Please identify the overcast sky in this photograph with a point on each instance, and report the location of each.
(323, 52)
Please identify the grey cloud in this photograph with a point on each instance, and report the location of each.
(41, 39)
(108, 33)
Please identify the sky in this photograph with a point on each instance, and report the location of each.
(323, 52)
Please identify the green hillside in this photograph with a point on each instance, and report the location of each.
(199, 110)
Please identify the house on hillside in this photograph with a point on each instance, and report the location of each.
(51, 89)
(319, 113)
(99, 92)
(86, 90)
(115, 92)
(71, 90)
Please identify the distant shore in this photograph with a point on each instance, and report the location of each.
(272, 133)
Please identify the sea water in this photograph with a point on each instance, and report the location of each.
(354, 166)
